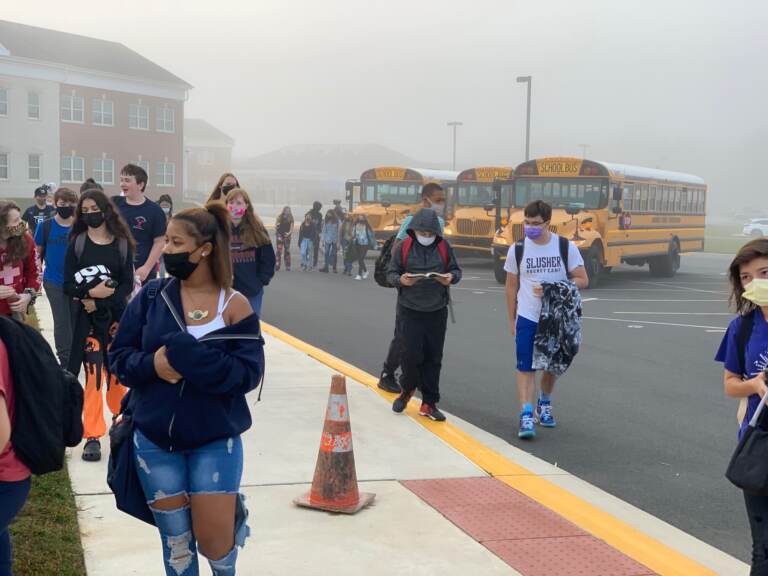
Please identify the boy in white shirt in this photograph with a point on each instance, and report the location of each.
(545, 257)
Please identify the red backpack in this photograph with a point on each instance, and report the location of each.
(405, 249)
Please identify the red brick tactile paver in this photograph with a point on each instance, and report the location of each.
(529, 537)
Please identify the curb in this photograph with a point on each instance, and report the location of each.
(658, 557)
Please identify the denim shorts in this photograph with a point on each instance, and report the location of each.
(525, 333)
(215, 468)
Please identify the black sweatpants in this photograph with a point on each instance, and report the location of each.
(392, 362)
(757, 511)
(422, 336)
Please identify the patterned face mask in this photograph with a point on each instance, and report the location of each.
(17, 230)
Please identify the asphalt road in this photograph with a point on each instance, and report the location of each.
(641, 414)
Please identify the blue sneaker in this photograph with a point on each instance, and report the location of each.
(544, 414)
(527, 429)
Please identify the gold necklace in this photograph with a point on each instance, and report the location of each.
(196, 314)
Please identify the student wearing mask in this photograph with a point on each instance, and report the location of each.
(432, 196)
(330, 239)
(227, 182)
(422, 269)
(307, 234)
(545, 258)
(317, 219)
(145, 220)
(744, 354)
(52, 239)
(98, 276)
(40, 211)
(19, 263)
(166, 205)
(283, 235)
(363, 239)
(253, 258)
(190, 349)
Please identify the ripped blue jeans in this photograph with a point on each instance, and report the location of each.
(215, 468)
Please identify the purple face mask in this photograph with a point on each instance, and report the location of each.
(533, 232)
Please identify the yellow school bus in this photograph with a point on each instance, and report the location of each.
(472, 213)
(389, 193)
(614, 213)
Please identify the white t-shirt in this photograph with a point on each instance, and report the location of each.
(541, 263)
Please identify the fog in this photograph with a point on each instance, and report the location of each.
(680, 85)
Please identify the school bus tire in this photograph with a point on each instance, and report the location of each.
(666, 266)
(593, 262)
(498, 270)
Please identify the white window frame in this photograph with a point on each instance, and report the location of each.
(30, 167)
(134, 119)
(72, 109)
(97, 107)
(143, 164)
(33, 105)
(5, 164)
(73, 177)
(163, 174)
(100, 171)
(3, 101)
(164, 119)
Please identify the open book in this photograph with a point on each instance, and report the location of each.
(428, 275)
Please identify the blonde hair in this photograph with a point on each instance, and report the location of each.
(252, 229)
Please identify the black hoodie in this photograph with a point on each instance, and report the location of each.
(427, 294)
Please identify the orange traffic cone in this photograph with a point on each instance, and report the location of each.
(334, 487)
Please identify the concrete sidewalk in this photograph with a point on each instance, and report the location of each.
(436, 510)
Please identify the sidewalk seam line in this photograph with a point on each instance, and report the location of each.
(595, 521)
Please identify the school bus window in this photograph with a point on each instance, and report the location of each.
(370, 193)
(665, 199)
(628, 195)
(636, 202)
(677, 200)
(593, 194)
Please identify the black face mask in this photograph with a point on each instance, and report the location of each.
(226, 188)
(93, 219)
(65, 211)
(179, 265)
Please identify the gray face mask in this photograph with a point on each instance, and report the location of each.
(439, 209)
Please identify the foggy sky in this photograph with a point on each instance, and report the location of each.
(681, 85)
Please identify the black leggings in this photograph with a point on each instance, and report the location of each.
(757, 512)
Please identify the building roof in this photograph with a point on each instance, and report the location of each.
(199, 132)
(53, 46)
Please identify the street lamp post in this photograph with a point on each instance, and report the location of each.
(584, 148)
(454, 125)
(527, 80)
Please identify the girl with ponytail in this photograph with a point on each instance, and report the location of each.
(190, 349)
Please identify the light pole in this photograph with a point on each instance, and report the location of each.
(455, 125)
(584, 148)
(527, 80)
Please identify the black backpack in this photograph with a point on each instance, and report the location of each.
(742, 339)
(562, 245)
(48, 400)
(382, 263)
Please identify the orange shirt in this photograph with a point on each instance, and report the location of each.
(11, 468)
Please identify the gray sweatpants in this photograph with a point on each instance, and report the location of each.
(62, 321)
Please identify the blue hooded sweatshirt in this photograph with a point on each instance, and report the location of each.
(217, 371)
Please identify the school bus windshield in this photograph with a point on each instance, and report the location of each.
(562, 192)
(393, 192)
(481, 195)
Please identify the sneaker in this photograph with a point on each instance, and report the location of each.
(544, 414)
(527, 429)
(401, 401)
(92, 450)
(365, 275)
(324, 270)
(431, 411)
(358, 277)
(388, 383)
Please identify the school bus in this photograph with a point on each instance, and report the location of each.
(614, 213)
(472, 212)
(389, 193)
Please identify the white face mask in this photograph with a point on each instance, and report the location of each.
(425, 240)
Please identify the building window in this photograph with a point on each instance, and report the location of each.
(33, 106)
(104, 170)
(3, 102)
(144, 164)
(166, 119)
(138, 117)
(3, 166)
(166, 174)
(205, 158)
(33, 167)
(72, 108)
(103, 112)
(72, 169)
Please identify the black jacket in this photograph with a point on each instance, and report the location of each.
(427, 295)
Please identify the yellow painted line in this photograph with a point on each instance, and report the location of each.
(658, 557)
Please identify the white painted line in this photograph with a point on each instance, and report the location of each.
(684, 288)
(588, 299)
(719, 331)
(635, 326)
(637, 300)
(679, 313)
(477, 292)
(656, 323)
